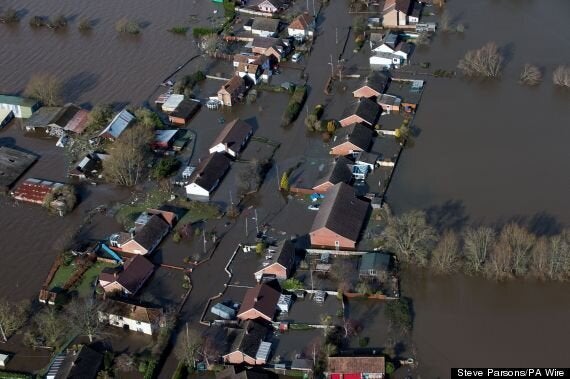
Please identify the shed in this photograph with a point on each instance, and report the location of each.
(223, 311)
(373, 264)
(118, 125)
(184, 112)
(172, 102)
(4, 359)
(22, 107)
(6, 115)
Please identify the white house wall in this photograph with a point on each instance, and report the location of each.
(122, 322)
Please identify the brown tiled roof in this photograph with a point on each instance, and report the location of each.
(210, 170)
(152, 232)
(342, 212)
(169, 217)
(265, 42)
(253, 334)
(404, 5)
(356, 365)
(135, 273)
(233, 84)
(250, 68)
(359, 135)
(133, 311)
(233, 134)
(301, 22)
(262, 298)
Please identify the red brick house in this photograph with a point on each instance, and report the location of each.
(340, 219)
(356, 368)
(340, 172)
(144, 240)
(374, 85)
(248, 345)
(260, 302)
(127, 279)
(364, 111)
(231, 91)
(352, 139)
(280, 265)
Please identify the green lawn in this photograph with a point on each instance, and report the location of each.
(128, 213)
(61, 276)
(198, 211)
(84, 287)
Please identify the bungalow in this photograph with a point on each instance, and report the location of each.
(373, 265)
(34, 190)
(396, 12)
(163, 139)
(132, 317)
(352, 139)
(356, 368)
(363, 111)
(118, 125)
(374, 85)
(172, 102)
(340, 172)
(268, 6)
(183, 112)
(21, 107)
(279, 265)
(260, 302)
(386, 60)
(84, 364)
(301, 27)
(232, 91)
(207, 176)
(389, 103)
(265, 27)
(233, 138)
(127, 279)
(6, 115)
(248, 345)
(145, 239)
(42, 118)
(13, 163)
(339, 219)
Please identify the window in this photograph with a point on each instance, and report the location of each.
(120, 317)
(138, 322)
(372, 272)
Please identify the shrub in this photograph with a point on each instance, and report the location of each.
(150, 369)
(292, 284)
(390, 368)
(260, 247)
(399, 312)
(202, 31)
(188, 82)
(57, 22)
(486, 61)
(363, 341)
(37, 22)
(127, 26)
(176, 237)
(84, 25)
(530, 75)
(294, 106)
(561, 76)
(229, 8)
(178, 30)
(9, 16)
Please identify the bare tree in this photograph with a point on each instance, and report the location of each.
(410, 237)
(51, 327)
(45, 88)
(83, 315)
(188, 347)
(520, 242)
(477, 245)
(486, 61)
(127, 164)
(561, 76)
(345, 274)
(445, 21)
(12, 317)
(551, 257)
(531, 75)
(125, 363)
(445, 256)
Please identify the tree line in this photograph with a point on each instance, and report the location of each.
(511, 251)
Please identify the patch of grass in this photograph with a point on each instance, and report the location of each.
(202, 31)
(299, 326)
(197, 211)
(128, 213)
(62, 275)
(84, 286)
(179, 30)
(127, 26)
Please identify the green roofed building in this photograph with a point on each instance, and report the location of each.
(374, 264)
(21, 107)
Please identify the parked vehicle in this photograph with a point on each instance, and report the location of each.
(296, 57)
(320, 297)
(317, 196)
(314, 207)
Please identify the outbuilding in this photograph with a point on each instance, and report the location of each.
(6, 115)
(22, 107)
(184, 112)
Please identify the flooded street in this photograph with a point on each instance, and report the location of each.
(499, 149)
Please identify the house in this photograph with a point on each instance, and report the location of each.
(21, 107)
(389, 103)
(232, 91)
(386, 60)
(352, 139)
(42, 118)
(249, 344)
(363, 111)
(132, 317)
(233, 138)
(13, 163)
(301, 27)
(340, 172)
(369, 160)
(260, 302)
(356, 368)
(85, 364)
(340, 219)
(281, 263)
(163, 139)
(268, 6)
(144, 240)
(240, 372)
(387, 43)
(184, 112)
(396, 12)
(207, 176)
(172, 102)
(118, 125)
(6, 115)
(34, 190)
(373, 265)
(252, 72)
(374, 85)
(415, 14)
(274, 48)
(128, 278)
(265, 27)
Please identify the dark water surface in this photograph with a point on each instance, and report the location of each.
(498, 149)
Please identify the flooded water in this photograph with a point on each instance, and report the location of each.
(498, 149)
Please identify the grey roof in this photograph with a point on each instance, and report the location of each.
(13, 163)
(342, 212)
(237, 372)
(377, 81)
(266, 24)
(86, 364)
(118, 124)
(65, 115)
(416, 9)
(210, 170)
(186, 109)
(369, 158)
(339, 173)
(234, 134)
(43, 117)
(265, 42)
(391, 39)
(135, 273)
(254, 332)
(152, 232)
(404, 5)
(405, 47)
(366, 109)
(389, 99)
(286, 255)
(375, 261)
(357, 134)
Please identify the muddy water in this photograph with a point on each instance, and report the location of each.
(497, 149)
(100, 66)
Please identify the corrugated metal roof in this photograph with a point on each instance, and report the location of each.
(118, 124)
(17, 100)
(263, 351)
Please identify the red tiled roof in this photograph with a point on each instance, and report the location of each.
(301, 22)
(34, 190)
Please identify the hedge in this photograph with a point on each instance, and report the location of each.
(201, 31)
(294, 106)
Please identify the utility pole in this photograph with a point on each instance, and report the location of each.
(307, 6)
(246, 227)
(256, 223)
(278, 179)
(332, 67)
(314, 11)
(336, 38)
(204, 238)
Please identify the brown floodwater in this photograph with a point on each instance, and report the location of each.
(496, 149)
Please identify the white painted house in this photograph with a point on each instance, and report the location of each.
(386, 60)
(268, 6)
(132, 317)
(207, 177)
(301, 27)
(232, 138)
